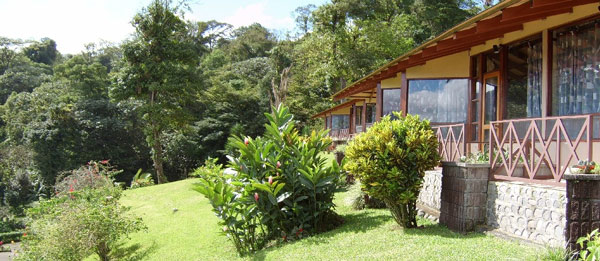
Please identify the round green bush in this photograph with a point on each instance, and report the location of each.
(390, 160)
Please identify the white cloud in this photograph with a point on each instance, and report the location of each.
(257, 13)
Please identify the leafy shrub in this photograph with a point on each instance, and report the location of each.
(93, 175)
(208, 169)
(21, 191)
(11, 236)
(79, 222)
(390, 160)
(141, 179)
(590, 246)
(282, 188)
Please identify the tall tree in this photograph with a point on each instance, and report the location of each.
(158, 72)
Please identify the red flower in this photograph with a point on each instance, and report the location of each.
(1, 243)
(284, 238)
(300, 230)
(104, 162)
(246, 141)
(25, 234)
(70, 187)
(278, 164)
(270, 180)
(256, 196)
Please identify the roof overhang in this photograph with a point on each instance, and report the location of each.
(335, 108)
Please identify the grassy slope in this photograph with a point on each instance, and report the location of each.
(192, 233)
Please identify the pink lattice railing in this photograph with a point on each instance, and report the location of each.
(539, 150)
(340, 134)
(451, 139)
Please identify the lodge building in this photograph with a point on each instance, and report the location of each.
(519, 81)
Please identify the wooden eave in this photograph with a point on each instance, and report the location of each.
(507, 16)
(335, 108)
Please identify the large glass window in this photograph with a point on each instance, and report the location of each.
(371, 113)
(524, 76)
(576, 69)
(439, 100)
(391, 101)
(358, 115)
(340, 122)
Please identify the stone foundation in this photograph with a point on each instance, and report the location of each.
(429, 196)
(527, 211)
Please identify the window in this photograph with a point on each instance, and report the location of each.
(576, 69)
(439, 100)
(391, 101)
(371, 110)
(524, 76)
(358, 115)
(340, 122)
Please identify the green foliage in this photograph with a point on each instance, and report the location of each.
(590, 246)
(210, 168)
(282, 187)
(359, 200)
(158, 72)
(141, 179)
(11, 236)
(390, 160)
(79, 222)
(42, 52)
(93, 175)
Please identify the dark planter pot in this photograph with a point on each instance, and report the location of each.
(583, 206)
(464, 195)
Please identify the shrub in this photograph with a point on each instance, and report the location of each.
(141, 179)
(282, 187)
(590, 246)
(208, 169)
(78, 223)
(93, 175)
(11, 236)
(390, 160)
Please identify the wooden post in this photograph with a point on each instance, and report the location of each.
(364, 116)
(404, 95)
(378, 103)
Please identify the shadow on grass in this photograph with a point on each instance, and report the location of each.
(435, 229)
(359, 222)
(133, 252)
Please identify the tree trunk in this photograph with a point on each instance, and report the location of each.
(404, 214)
(157, 156)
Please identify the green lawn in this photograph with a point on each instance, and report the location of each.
(192, 233)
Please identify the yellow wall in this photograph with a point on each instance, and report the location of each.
(342, 111)
(394, 82)
(455, 65)
(536, 27)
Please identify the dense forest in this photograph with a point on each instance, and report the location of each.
(167, 98)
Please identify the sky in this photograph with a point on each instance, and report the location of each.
(73, 23)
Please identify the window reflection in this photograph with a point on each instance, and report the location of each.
(391, 101)
(340, 122)
(440, 100)
(371, 113)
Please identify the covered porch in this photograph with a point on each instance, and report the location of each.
(518, 83)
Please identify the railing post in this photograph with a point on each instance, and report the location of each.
(590, 136)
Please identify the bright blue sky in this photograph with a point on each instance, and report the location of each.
(73, 23)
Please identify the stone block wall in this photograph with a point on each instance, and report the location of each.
(527, 211)
(429, 196)
(463, 196)
(583, 206)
